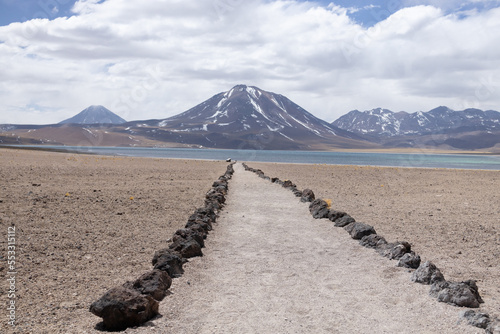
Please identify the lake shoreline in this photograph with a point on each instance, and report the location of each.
(447, 160)
(375, 150)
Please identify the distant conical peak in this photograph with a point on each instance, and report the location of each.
(93, 115)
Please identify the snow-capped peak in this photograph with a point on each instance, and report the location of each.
(387, 123)
(249, 109)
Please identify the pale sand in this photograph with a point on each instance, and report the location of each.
(72, 249)
(270, 267)
(451, 217)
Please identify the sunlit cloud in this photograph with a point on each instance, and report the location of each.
(155, 59)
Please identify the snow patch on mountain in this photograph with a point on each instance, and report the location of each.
(244, 113)
(384, 122)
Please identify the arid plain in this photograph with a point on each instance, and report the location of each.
(87, 223)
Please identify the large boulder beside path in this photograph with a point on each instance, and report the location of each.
(122, 307)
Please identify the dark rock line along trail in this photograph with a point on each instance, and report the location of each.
(135, 302)
(270, 267)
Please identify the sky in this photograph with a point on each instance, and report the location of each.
(154, 59)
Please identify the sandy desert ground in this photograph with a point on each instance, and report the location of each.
(85, 224)
(88, 223)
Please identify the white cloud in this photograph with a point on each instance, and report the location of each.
(451, 4)
(155, 59)
(85, 6)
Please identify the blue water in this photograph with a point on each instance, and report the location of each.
(460, 161)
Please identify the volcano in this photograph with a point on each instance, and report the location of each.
(248, 117)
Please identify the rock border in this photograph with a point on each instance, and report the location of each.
(462, 294)
(134, 303)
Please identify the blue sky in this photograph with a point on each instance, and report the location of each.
(367, 12)
(24, 10)
(154, 59)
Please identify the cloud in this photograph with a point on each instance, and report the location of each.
(451, 4)
(85, 6)
(158, 58)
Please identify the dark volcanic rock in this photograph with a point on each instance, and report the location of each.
(197, 224)
(359, 230)
(476, 319)
(214, 196)
(319, 209)
(213, 204)
(289, 184)
(427, 273)
(333, 215)
(220, 190)
(204, 215)
(154, 283)
(307, 196)
(169, 261)
(409, 260)
(208, 213)
(121, 308)
(184, 233)
(463, 294)
(187, 247)
(222, 183)
(373, 241)
(297, 193)
(344, 221)
(395, 250)
(198, 228)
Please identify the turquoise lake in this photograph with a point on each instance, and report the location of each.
(459, 161)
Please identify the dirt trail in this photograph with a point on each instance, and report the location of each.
(269, 267)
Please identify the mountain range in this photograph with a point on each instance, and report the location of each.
(246, 117)
(442, 126)
(383, 122)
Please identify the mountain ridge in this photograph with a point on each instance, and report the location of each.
(247, 117)
(384, 122)
(441, 127)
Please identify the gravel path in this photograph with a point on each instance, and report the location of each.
(269, 267)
